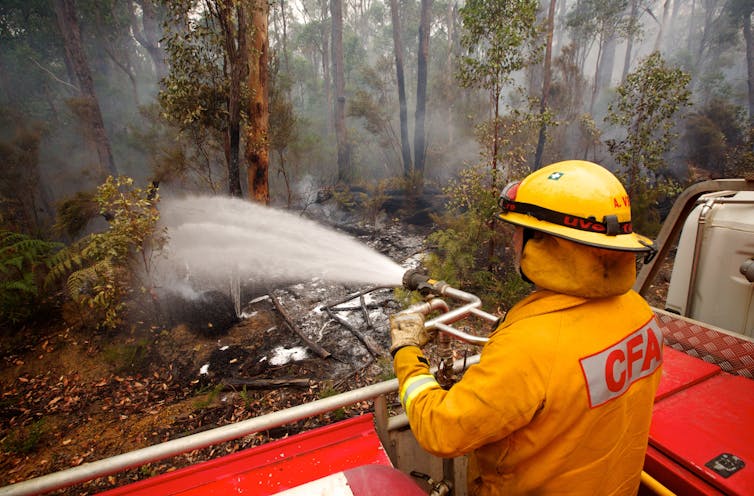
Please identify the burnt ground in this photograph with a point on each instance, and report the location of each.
(71, 395)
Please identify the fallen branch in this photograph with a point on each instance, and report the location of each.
(365, 312)
(319, 350)
(353, 296)
(373, 348)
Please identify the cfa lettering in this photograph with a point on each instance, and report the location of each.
(619, 366)
(610, 373)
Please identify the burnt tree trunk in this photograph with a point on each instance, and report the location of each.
(257, 145)
(233, 23)
(339, 111)
(421, 88)
(88, 108)
(398, 47)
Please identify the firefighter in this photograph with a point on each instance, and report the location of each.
(561, 399)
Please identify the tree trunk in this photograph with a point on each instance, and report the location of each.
(89, 111)
(662, 25)
(148, 35)
(630, 41)
(421, 88)
(327, 82)
(546, 80)
(285, 37)
(452, 18)
(257, 146)
(233, 23)
(339, 111)
(607, 63)
(749, 65)
(495, 96)
(398, 47)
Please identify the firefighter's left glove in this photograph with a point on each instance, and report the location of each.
(407, 329)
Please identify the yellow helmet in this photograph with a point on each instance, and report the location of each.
(576, 200)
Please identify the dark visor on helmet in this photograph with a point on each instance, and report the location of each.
(609, 224)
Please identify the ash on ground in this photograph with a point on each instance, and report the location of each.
(348, 326)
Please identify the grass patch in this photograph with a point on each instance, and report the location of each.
(127, 357)
(207, 395)
(24, 440)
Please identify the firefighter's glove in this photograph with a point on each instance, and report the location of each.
(407, 329)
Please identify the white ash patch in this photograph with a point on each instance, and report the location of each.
(282, 355)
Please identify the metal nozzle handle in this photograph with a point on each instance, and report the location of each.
(417, 281)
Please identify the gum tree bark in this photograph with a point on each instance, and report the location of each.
(88, 109)
(257, 144)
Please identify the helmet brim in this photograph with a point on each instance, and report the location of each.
(622, 242)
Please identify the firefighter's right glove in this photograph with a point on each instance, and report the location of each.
(407, 329)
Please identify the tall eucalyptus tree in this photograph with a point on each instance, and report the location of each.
(401, 82)
(498, 38)
(339, 110)
(88, 108)
(257, 143)
(421, 89)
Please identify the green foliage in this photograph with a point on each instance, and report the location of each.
(74, 213)
(23, 263)
(713, 134)
(516, 135)
(328, 389)
(127, 357)
(372, 199)
(207, 396)
(101, 269)
(498, 39)
(23, 441)
(375, 105)
(645, 106)
(20, 196)
(194, 94)
(461, 248)
(189, 158)
(204, 92)
(603, 19)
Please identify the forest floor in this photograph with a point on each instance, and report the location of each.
(70, 396)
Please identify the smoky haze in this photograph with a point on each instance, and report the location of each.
(50, 151)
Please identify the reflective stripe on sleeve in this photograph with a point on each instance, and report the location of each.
(415, 385)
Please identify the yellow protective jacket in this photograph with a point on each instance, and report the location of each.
(560, 402)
